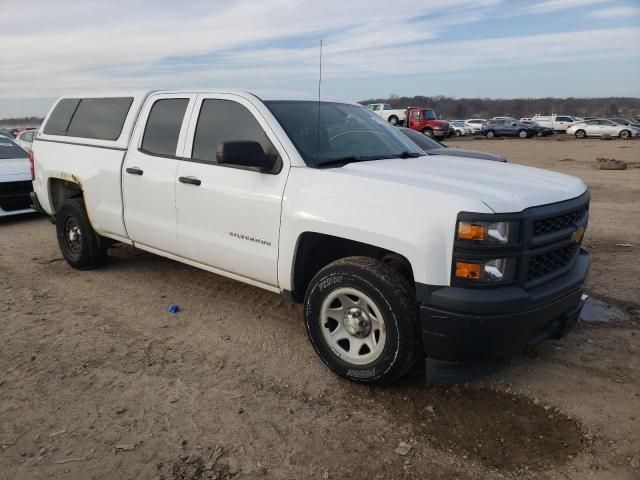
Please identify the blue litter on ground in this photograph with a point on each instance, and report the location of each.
(173, 308)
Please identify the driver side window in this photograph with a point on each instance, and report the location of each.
(223, 121)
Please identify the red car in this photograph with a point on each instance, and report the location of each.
(426, 121)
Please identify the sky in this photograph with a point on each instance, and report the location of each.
(372, 48)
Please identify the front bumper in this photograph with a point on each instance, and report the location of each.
(440, 133)
(14, 197)
(467, 332)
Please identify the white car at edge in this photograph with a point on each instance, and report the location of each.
(15, 179)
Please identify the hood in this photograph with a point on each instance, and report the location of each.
(463, 152)
(12, 167)
(503, 187)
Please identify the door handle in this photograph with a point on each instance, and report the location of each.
(190, 180)
(134, 171)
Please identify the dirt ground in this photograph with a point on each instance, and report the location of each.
(97, 380)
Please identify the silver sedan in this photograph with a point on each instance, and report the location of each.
(599, 127)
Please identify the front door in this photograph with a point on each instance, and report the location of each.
(228, 217)
(149, 173)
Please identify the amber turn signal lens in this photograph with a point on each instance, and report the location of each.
(471, 231)
(470, 271)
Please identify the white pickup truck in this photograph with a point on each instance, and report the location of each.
(385, 111)
(559, 123)
(397, 255)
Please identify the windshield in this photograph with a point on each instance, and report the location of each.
(420, 139)
(430, 114)
(8, 149)
(337, 132)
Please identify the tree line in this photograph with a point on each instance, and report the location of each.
(21, 121)
(454, 108)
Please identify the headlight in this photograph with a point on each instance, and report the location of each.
(491, 233)
(486, 271)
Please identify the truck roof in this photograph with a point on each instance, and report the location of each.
(139, 97)
(262, 94)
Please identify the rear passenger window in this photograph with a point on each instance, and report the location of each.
(226, 121)
(100, 118)
(61, 116)
(163, 126)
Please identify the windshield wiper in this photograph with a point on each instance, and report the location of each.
(349, 159)
(406, 154)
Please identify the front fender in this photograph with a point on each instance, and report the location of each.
(411, 221)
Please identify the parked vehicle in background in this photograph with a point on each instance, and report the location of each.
(25, 139)
(599, 127)
(559, 123)
(394, 116)
(625, 121)
(5, 132)
(15, 179)
(432, 147)
(396, 257)
(542, 131)
(475, 124)
(426, 121)
(460, 129)
(507, 128)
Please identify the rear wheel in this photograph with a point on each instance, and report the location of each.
(581, 134)
(625, 134)
(80, 245)
(523, 134)
(360, 316)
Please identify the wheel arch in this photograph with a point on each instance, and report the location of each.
(61, 189)
(315, 250)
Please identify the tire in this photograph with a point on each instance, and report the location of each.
(393, 120)
(523, 134)
(491, 134)
(375, 295)
(458, 133)
(80, 245)
(625, 134)
(428, 132)
(581, 134)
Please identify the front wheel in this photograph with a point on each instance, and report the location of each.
(458, 133)
(427, 132)
(393, 120)
(491, 134)
(523, 134)
(80, 245)
(581, 134)
(360, 316)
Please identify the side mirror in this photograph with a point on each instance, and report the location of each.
(245, 154)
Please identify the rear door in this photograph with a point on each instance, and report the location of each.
(150, 167)
(610, 128)
(593, 128)
(229, 216)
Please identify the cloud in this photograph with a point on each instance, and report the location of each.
(547, 6)
(616, 12)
